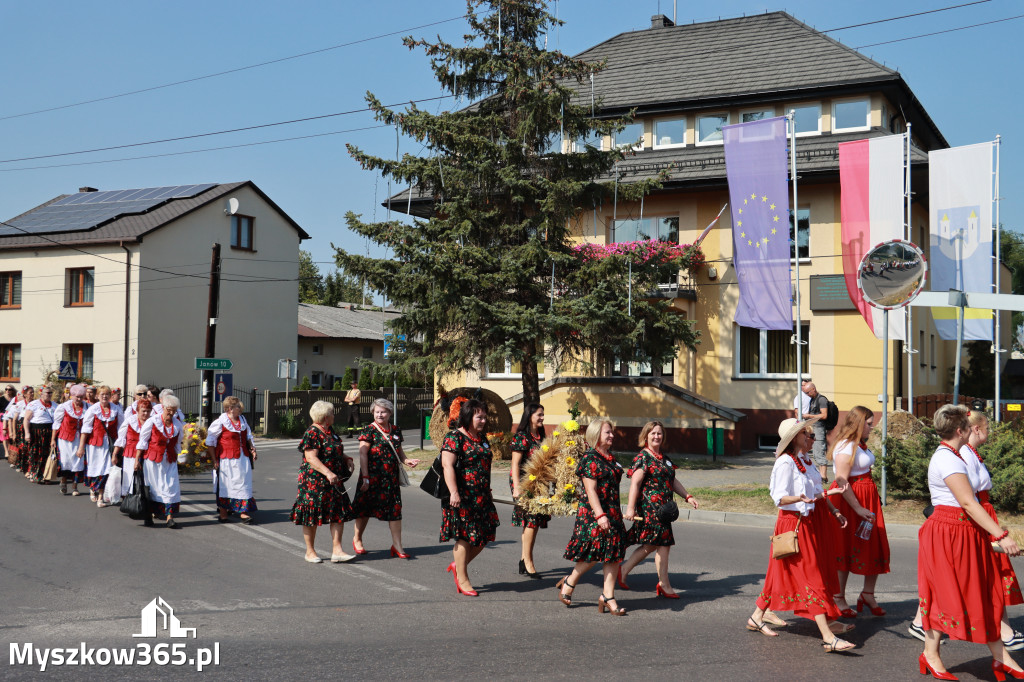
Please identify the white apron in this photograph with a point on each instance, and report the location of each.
(235, 479)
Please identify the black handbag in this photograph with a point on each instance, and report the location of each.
(433, 481)
(668, 512)
(136, 504)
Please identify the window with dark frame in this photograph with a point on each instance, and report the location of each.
(242, 232)
(80, 286)
(802, 242)
(80, 353)
(367, 352)
(10, 362)
(10, 289)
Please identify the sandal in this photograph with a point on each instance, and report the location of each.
(837, 628)
(562, 596)
(763, 628)
(75, 493)
(837, 646)
(63, 488)
(602, 606)
(771, 618)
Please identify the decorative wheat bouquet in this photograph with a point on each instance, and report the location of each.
(549, 483)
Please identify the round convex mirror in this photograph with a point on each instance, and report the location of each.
(892, 274)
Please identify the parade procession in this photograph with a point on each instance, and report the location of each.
(539, 312)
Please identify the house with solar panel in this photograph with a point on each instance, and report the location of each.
(684, 84)
(118, 283)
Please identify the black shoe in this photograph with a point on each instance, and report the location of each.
(916, 631)
(523, 571)
(222, 519)
(1015, 642)
(171, 523)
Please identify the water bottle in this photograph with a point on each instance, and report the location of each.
(864, 529)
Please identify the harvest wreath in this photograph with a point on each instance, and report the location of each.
(549, 482)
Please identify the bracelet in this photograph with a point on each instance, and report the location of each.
(1005, 533)
(599, 517)
(688, 498)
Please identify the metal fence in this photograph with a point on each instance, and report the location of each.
(191, 398)
(409, 404)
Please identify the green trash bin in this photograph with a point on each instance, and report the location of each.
(716, 441)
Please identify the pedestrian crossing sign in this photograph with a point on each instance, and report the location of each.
(68, 370)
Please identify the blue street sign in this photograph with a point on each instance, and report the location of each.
(389, 340)
(221, 386)
(68, 370)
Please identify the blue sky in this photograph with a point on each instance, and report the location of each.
(59, 53)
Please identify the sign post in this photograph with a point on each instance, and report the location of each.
(287, 369)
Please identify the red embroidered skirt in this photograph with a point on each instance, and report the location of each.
(796, 583)
(863, 557)
(830, 544)
(1008, 577)
(957, 577)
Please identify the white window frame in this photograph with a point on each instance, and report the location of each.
(643, 137)
(766, 110)
(574, 145)
(673, 145)
(763, 354)
(804, 105)
(853, 129)
(506, 372)
(696, 128)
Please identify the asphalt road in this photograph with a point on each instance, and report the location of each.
(71, 573)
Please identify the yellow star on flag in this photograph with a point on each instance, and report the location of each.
(765, 240)
(741, 210)
(750, 243)
(753, 196)
(739, 223)
(743, 235)
(757, 244)
(744, 201)
(774, 230)
(775, 219)
(771, 206)
(764, 199)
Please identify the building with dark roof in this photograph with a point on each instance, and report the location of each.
(333, 339)
(118, 282)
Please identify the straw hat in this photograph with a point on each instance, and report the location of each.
(788, 430)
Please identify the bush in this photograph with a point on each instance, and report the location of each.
(346, 380)
(304, 385)
(291, 425)
(906, 465)
(1002, 457)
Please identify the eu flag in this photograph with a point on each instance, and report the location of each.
(755, 164)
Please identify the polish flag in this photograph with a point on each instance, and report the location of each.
(871, 182)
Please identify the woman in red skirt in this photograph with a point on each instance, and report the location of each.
(958, 582)
(852, 461)
(978, 422)
(801, 582)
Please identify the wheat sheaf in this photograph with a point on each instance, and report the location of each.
(549, 483)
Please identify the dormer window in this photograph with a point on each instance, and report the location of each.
(756, 115)
(807, 118)
(592, 139)
(670, 132)
(851, 115)
(630, 137)
(709, 128)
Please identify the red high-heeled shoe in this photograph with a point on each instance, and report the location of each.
(927, 668)
(847, 612)
(662, 593)
(619, 581)
(400, 555)
(455, 574)
(861, 603)
(357, 550)
(1001, 670)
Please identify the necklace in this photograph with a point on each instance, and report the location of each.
(976, 453)
(799, 463)
(944, 443)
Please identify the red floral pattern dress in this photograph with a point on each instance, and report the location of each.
(318, 502)
(588, 541)
(476, 518)
(655, 490)
(525, 442)
(383, 499)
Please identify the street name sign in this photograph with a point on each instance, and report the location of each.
(219, 364)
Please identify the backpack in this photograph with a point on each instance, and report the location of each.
(831, 417)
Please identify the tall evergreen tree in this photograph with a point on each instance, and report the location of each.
(493, 274)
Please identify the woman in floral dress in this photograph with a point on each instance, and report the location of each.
(652, 483)
(322, 497)
(599, 534)
(38, 421)
(526, 440)
(468, 515)
(380, 493)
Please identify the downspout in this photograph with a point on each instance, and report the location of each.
(127, 312)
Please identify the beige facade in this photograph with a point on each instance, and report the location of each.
(325, 359)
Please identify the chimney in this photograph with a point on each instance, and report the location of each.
(87, 189)
(661, 21)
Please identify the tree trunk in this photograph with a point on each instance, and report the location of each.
(531, 380)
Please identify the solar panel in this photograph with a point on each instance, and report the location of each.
(87, 210)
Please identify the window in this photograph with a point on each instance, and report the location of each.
(807, 119)
(10, 362)
(920, 349)
(851, 115)
(670, 132)
(368, 352)
(316, 379)
(803, 243)
(511, 370)
(632, 136)
(318, 349)
(591, 139)
(660, 229)
(770, 354)
(931, 349)
(80, 353)
(10, 289)
(552, 145)
(756, 115)
(642, 369)
(709, 128)
(241, 232)
(79, 284)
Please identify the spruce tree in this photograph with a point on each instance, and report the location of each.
(493, 274)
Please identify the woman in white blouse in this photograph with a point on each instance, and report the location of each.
(99, 431)
(958, 583)
(158, 447)
(230, 446)
(127, 439)
(800, 583)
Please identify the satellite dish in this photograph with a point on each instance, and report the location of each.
(892, 274)
(232, 206)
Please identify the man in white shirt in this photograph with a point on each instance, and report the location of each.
(802, 402)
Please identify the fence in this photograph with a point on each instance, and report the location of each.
(408, 405)
(928, 405)
(191, 398)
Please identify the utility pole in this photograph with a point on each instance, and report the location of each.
(213, 306)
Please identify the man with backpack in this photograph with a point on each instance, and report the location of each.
(818, 408)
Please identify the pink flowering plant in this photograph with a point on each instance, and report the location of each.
(645, 251)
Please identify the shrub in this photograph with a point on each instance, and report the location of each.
(1002, 457)
(906, 465)
(291, 425)
(346, 380)
(304, 385)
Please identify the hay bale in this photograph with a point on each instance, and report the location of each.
(901, 426)
(499, 417)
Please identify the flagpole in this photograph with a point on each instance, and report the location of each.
(794, 213)
(910, 318)
(885, 392)
(996, 350)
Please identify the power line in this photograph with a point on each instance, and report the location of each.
(905, 16)
(935, 33)
(230, 71)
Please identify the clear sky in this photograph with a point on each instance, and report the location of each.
(59, 53)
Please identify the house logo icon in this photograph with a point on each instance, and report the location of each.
(157, 615)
